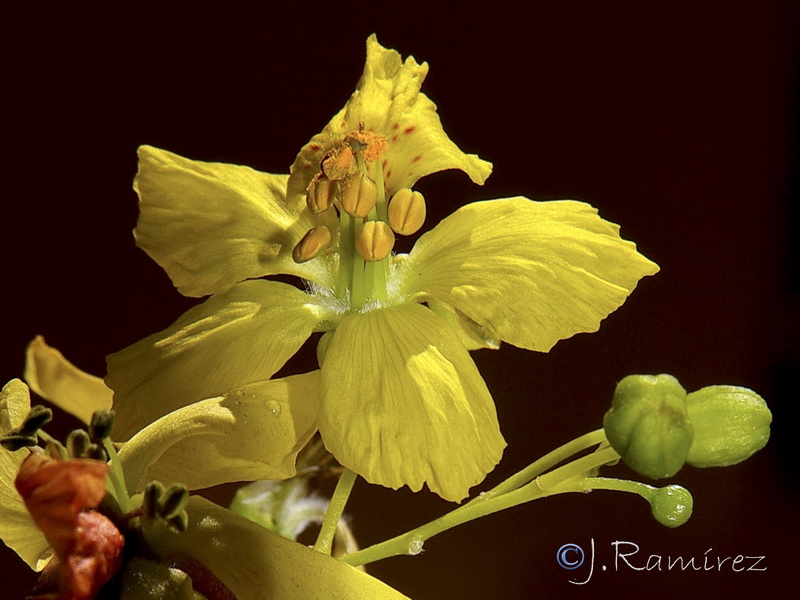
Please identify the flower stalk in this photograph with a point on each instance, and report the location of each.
(527, 485)
(335, 509)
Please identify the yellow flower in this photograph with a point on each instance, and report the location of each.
(400, 400)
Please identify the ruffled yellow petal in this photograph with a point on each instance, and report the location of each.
(532, 273)
(232, 339)
(210, 225)
(17, 528)
(253, 432)
(254, 563)
(402, 403)
(387, 101)
(57, 380)
(472, 335)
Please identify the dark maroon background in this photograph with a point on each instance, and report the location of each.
(676, 119)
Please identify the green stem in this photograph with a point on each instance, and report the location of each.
(621, 485)
(568, 478)
(335, 510)
(549, 460)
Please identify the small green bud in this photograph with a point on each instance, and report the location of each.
(648, 424)
(730, 425)
(671, 505)
(37, 418)
(78, 443)
(101, 425)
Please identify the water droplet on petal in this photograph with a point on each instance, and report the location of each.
(274, 407)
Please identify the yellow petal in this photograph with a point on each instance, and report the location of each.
(472, 335)
(387, 101)
(210, 225)
(532, 273)
(57, 380)
(17, 528)
(254, 563)
(253, 432)
(402, 403)
(232, 339)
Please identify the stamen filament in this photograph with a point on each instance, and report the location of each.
(357, 290)
(346, 252)
(117, 477)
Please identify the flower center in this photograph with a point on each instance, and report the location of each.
(351, 179)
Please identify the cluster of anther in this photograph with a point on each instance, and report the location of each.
(351, 180)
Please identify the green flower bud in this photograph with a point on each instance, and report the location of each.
(671, 505)
(648, 424)
(730, 425)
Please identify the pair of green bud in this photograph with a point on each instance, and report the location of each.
(656, 427)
